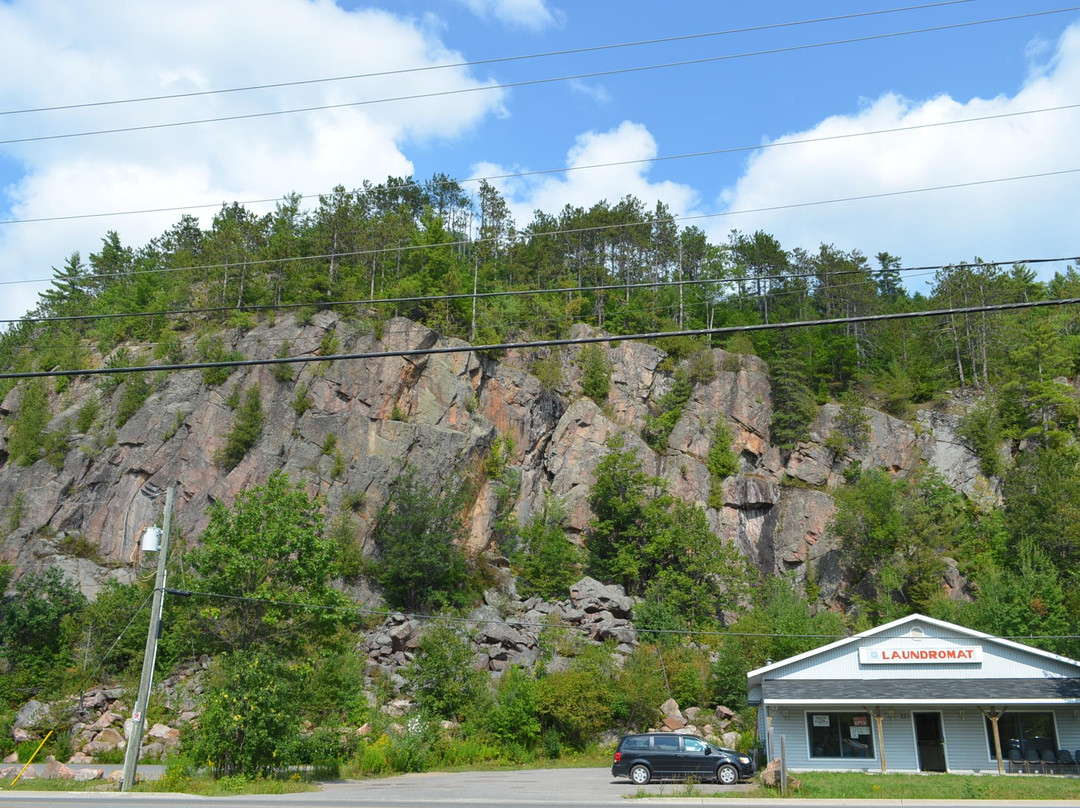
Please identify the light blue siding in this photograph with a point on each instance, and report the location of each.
(968, 747)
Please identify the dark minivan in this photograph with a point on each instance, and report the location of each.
(668, 755)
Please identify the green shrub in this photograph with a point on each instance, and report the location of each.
(54, 446)
(547, 563)
(245, 431)
(211, 348)
(283, 372)
(579, 703)
(88, 414)
(514, 719)
(721, 461)
(134, 394)
(442, 676)
(26, 439)
(301, 402)
(548, 372)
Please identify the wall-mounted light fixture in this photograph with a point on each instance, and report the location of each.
(963, 716)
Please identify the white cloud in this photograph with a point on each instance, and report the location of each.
(531, 14)
(54, 52)
(586, 186)
(1022, 219)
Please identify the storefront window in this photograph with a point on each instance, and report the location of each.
(1023, 731)
(840, 735)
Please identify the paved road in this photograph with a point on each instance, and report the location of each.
(544, 788)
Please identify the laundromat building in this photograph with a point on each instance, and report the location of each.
(917, 695)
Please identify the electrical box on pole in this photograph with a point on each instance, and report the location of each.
(138, 715)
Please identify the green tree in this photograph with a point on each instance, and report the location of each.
(595, 373)
(1023, 598)
(780, 624)
(416, 535)
(721, 461)
(442, 676)
(656, 545)
(31, 635)
(249, 719)
(1042, 504)
(269, 556)
(547, 563)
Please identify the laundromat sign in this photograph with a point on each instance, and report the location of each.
(941, 655)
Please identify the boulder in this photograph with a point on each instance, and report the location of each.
(83, 775)
(670, 709)
(32, 714)
(590, 596)
(55, 770)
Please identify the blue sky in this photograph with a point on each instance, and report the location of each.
(54, 53)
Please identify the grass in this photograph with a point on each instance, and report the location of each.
(856, 786)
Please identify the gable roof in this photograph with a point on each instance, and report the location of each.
(755, 677)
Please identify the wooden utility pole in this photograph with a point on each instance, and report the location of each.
(138, 715)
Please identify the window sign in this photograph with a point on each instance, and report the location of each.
(840, 735)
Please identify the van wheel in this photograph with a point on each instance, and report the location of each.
(726, 775)
(640, 774)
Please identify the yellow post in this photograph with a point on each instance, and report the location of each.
(880, 737)
(31, 760)
(997, 740)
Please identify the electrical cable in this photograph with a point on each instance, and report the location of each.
(481, 62)
(541, 624)
(528, 82)
(508, 346)
(376, 301)
(528, 236)
(569, 169)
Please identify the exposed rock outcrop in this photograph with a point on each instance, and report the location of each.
(441, 413)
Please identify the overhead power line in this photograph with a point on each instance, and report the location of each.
(555, 290)
(522, 623)
(566, 231)
(532, 82)
(482, 62)
(549, 343)
(569, 169)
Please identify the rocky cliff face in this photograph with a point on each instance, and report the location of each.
(441, 413)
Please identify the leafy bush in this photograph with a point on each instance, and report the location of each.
(580, 702)
(514, 719)
(249, 716)
(442, 676)
(670, 407)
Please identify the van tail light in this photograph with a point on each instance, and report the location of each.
(618, 756)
